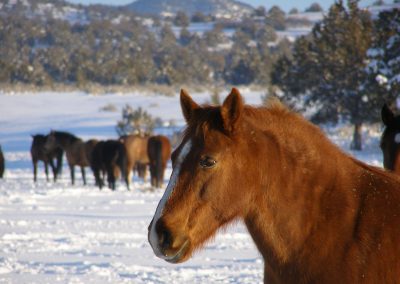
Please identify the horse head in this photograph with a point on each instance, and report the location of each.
(206, 166)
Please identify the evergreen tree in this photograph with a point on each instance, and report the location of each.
(314, 7)
(383, 69)
(181, 19)
(276, 18)
(327, 69)
(135, 121)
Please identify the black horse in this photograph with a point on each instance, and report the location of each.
(107, 158)
(2, 163)
(390, 140)
(47, 156)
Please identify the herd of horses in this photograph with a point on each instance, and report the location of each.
(315, 213)
(108, 159)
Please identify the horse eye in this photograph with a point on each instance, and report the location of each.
(207, 162)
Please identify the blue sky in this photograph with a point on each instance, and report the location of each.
(284, 4)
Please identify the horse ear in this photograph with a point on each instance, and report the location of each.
(387, 115)
(188, 105)
(231, 110)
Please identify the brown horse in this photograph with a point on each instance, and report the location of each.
(316, 214)
(159, 152)
(390, 140)
(40, 153)
(2, 163)
(89, 146)
(136, 153)
(74, 148)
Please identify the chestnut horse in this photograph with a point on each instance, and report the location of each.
(390, 140)
(159, 152)
(316, 214)
(40, 153)
(75, 149)
(136, 154)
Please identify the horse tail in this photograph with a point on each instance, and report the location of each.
(158, 162)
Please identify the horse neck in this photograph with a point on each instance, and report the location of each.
(66, 141)
(296, 181)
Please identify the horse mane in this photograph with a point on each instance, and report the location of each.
(65, 135)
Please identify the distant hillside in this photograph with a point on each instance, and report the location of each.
(217, 8)
(62, 10)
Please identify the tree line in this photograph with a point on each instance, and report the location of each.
(46, 50)
(344, 70)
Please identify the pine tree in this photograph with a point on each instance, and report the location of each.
(327, 69)
(383, 69)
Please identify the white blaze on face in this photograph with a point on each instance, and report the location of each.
(397, 138)
(170, 188)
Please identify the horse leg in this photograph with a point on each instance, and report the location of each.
(129, 169)
(46, 170)
(34, 170)
(99, 182)
(59, 162)
(144, 172)
(53, 169)
(83, 175)
(127, 182)
(103, 174)
(110, 177)
(72, 169)
(124, 174)
(151, 174)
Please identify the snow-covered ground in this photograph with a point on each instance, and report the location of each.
(58, 233)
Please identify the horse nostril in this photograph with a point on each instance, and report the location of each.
(164, 235)
(164, 239)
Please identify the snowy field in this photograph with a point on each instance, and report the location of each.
(58, 233)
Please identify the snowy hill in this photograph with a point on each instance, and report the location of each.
(217, 8)
(60, 10)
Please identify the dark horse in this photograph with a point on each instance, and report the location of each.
(74, 148)
(40, 153)
(390, 140)
(2, 163)
(159, 152)
(316, 214)
(107, 157)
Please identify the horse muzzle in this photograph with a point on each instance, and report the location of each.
(166, 245)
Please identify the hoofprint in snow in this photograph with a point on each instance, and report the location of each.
(58, 233)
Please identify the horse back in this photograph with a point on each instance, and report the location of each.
(136, 148)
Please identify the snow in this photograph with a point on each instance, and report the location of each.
(58, 233)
